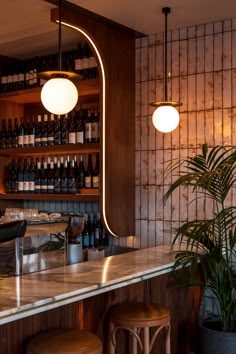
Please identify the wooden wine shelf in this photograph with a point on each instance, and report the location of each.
(32, 95)
(92, 196)
(51, 150)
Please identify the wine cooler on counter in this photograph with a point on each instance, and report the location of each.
(79, 126)
(53, 175)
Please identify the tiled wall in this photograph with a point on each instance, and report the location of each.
(202, 67)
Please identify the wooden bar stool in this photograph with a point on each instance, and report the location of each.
(134, 317)
(64, 341)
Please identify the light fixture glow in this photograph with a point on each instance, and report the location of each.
(59, 95)
(165, 118)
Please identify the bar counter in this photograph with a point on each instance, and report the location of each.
(33, 293)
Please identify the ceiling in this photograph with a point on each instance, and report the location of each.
(26, 31)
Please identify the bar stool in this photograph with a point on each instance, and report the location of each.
(134, 317)
(64, 341)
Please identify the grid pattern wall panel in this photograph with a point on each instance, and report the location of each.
(202, 75)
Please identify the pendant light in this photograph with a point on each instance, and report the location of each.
(59, 95)
(165, 117)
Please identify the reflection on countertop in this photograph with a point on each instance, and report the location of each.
(36, 292)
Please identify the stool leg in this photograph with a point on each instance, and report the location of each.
(146, 341)
(168, 339)
(134, 343)
(111, 346)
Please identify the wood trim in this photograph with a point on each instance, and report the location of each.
(117, 50)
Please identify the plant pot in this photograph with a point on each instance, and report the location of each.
(210, 340)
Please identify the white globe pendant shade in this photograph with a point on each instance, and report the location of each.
(165, 118)
(59, 95)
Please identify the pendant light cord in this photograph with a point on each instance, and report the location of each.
(165, 11)
(59, 39)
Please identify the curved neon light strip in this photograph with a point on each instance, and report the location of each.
(103, 119)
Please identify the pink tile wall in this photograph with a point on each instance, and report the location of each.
(202, 67)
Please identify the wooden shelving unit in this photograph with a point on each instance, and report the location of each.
(92, 196)
(32, 95)
(67, 149)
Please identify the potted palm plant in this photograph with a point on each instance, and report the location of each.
(208, 247)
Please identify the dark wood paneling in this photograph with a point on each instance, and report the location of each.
(93, 313)
(117, 50)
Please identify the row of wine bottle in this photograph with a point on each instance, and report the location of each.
(58, 175)
(19, 75)
(93, 234)
(78, 127)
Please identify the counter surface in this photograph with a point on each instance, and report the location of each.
(36, 292)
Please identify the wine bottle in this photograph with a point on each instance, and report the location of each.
(13, 177)
(38, 177)
(8, 178)
(88, 127)
(72, 131)
(8, 134)
(26, 177)
(3, 135)
(71, 178)
(38, 131)
(97, 231)
(21, 133)
(57, 178)
(44, 178)
(50, 177)
(44, 130)
(26, 133)
(96, 173)
(81, 174)
(95, 127)
(20, 177)
(14, 136)
(64, 178)
(51, 127)
(85, 234)
(57, 131)
(31, 133)
(21, 76)
(31, 176)
(89, 173)
(64, 130)
(79, 127)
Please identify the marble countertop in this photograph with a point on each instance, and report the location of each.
(36, 292)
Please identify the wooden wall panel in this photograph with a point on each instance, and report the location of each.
(117, 49)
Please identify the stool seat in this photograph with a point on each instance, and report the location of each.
(134, 317)
(139, 315)
(64, 341)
